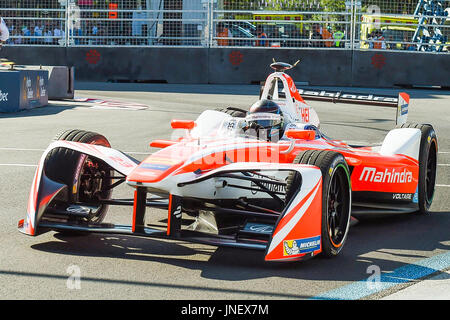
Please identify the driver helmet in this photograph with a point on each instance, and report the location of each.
(266, 116)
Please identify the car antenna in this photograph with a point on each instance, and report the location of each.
(282, 66)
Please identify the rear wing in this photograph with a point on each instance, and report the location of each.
(400, 102)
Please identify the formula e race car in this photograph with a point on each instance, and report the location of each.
(265, 178)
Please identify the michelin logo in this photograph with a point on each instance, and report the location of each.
(293, 247)
(3, 96)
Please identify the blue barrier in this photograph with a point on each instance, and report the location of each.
(23, 89)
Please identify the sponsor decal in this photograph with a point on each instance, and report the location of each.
(3, 96)
(350, 96)
(28, 93)
(293, 247)
(78, 209)
(292, 85)
(160, 160)
(378, 61)
(154, 166)
(402, 196)
(404, 109)
(236, 58)
(387, 176)
(41, 87)
(305, 114)
(122, 162)
(416, 196)
(93, 56)
(177, 212)
(270, 186)
(256, 227)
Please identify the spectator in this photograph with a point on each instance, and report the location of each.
(4, 32)
(326, 35)
(48, 36)
(26, 33)
(57, 33)
(406, 45)
(293, 33)
(38, 32)
(379, 41)
(261, 35)
(370, 38)
(94, 34)
(17, 37)
(223, 33)
(316, 36)
(338, 35)
(276, 36)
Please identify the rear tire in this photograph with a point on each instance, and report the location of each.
(87, 178)
(336, 196)
(427, 164)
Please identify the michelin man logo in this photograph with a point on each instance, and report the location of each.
(293, 247)
(291, 250)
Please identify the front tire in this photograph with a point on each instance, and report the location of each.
(87, 178)
(336, 196)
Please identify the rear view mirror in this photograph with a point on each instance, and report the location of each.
(300, 134)
(183, 124)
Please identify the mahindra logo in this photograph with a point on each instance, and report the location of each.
(343, 95)
(386, 176)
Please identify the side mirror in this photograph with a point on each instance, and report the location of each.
(183, 124)
(300, 134)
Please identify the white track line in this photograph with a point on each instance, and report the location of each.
(17, 165)
(20, 149)
(42, 150)
(443, 185)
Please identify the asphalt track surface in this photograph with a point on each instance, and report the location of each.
(123, 267)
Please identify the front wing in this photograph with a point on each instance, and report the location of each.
(289, 234)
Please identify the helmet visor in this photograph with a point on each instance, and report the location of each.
(265, 120)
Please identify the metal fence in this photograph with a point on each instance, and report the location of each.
(414, 25)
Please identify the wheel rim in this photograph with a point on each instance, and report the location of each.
(430, 175)
(338, 206)
(93, 184)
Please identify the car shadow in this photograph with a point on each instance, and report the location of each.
(389, 242)
(49, 109)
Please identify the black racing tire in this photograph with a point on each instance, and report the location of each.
(427, 164)
(70, 167)
(336, 196)
(234, 112)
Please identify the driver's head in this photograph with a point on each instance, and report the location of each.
(266, 118)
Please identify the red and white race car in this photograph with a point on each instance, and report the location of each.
(264, 179)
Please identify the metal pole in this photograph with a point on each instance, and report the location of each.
(66, 25)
